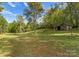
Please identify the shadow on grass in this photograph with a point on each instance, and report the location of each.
(5, 47)
(31, 47)
(26, 46)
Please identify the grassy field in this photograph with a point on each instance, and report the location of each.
(40, 43)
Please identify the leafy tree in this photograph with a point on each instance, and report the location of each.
(1, 8)
(33, 12)
(56, 16)
(53, 17)
(20, 23)
(12, 27)
(73, 10)
(3, 24)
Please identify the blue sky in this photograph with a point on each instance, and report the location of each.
(12, 9)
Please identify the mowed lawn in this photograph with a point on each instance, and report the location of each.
(40, 43)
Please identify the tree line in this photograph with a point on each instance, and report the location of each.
(61, 16)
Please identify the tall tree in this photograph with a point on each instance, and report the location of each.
(53, 17)
(20, 23)
(1, 8)
(73, 10)
(3, 24)
(33, 12)
(12, 27)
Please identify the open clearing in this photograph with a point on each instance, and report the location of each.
(39, 43)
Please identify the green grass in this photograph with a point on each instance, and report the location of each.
(39, 43)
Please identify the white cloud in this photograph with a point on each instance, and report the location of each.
(5, 12)
(11, 4)
(25, 4)
(9, 16)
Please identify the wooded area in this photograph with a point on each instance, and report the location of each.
(59, 17)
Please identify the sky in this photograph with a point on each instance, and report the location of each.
(12, 9)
